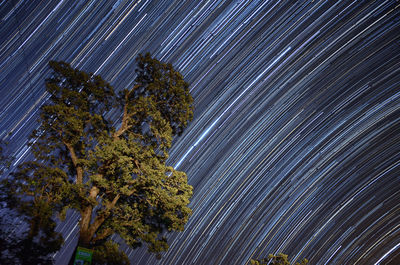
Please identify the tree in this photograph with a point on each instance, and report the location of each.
(280, 259)
(29, 246)
(109, 254)
(34, 239)
(5, 161)
(116, 177)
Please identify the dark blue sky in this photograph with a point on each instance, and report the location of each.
(295, 144)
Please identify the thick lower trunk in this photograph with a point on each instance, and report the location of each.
(85, 238)
(85, 229)
(86, 216)
(83, 241)
(88, 229)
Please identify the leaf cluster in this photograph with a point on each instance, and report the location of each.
(33, 245)
(168, 91)
(279, 259)
(109, 254)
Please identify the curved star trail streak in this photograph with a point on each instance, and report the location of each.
(295, 145)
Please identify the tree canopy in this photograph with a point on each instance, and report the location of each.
(34, 245)
(279, 259)
(113, 173)
(27, 237)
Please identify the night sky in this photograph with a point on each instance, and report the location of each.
(295, 143)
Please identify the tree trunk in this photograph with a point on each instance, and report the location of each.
(82, 242)
(86, 216)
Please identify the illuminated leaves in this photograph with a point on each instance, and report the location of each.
(279, 259)
(115, 177)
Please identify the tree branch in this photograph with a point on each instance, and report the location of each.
(93, 192)
(107, 232)
(124, 126)
(86, 216)
(74, 158)
(114, 201)
(99, 220)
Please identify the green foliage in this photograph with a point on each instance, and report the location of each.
(35, 244)
(32, 246)
(167, 90)
(115, 177)
(5, 161)
(109, 254)
(280, 259)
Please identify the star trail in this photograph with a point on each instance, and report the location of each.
(295, 143)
